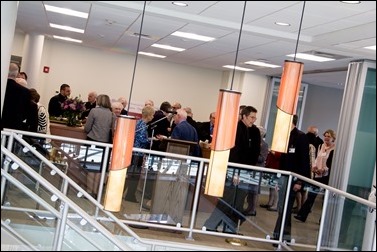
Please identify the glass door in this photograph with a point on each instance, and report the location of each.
(272, 110)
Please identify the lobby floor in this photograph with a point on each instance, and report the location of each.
(258, 226)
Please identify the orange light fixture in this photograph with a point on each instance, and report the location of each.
(222, 141)
(121, 158)
(290, 85)
(122, 146)
(286, 104)
(224, 131)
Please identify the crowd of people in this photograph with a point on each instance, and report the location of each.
(307, 155)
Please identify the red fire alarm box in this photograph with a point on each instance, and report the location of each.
(46, 69)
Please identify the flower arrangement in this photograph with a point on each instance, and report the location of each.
(72, 108)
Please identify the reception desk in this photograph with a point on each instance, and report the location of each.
(60, 129)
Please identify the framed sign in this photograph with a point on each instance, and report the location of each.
(16, 59)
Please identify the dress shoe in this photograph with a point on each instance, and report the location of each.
(272, 209)
(264, 206)
(300, 218)
(250, 213)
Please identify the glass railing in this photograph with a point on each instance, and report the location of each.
(165, 192)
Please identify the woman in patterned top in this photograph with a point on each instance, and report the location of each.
(43, 117)
(321, 170)
(141, 141)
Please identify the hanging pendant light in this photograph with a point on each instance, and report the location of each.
(224, 132)
(222, 141)
(122, 148)
(289, 89)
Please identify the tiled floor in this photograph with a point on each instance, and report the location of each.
(258, 226)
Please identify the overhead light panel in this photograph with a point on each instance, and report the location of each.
(238, 68)
(311, 57)
(152, 55)
(371, 47)
(192, 36)
(66, 11)
(351, 2)
(282, 24)
(180, 4)
(67, 39)
(261, 64)
(66, 28)
(167, 47)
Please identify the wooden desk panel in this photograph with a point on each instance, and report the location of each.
(66, 131)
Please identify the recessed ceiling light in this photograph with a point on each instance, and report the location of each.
(239, 68)
(373, 47)
(66, 11)
(67, 39)
(260, 63)
(311, 57)
(180, 4)
(67, 28)
(282, 24)
(351, 2)
(152, 55)
(192, 36)
(167, 47)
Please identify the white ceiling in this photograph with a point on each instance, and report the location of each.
(329, 27)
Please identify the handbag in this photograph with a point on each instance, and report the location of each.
(273, 160)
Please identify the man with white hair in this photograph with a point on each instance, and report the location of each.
(17, 99)
(184, 131)
(124, 103)
(90, 104)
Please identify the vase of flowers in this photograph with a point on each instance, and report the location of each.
(72, 109)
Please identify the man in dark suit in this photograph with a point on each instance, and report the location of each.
(90, 104)
(55, 103)
(159, 125)
(295, 160)
(206, 128)
(17, 99)
(245, 151)
(185, 131)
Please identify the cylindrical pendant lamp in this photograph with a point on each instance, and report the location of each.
(222, 141)
(286, 104)
(121, 158)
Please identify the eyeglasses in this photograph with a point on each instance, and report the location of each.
(252, 117)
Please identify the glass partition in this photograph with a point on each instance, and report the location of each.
(272, 110)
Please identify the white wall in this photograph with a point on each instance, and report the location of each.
(322, 108)
(254, 92)
(86, 69)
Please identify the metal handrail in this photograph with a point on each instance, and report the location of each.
(67, 202)
(191, 228)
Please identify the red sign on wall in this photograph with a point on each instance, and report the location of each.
(46, 69)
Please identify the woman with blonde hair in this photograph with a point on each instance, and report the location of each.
(141, 141)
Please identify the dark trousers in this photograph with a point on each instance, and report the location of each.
(282, 183)
(307, 207)
(133, 176)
